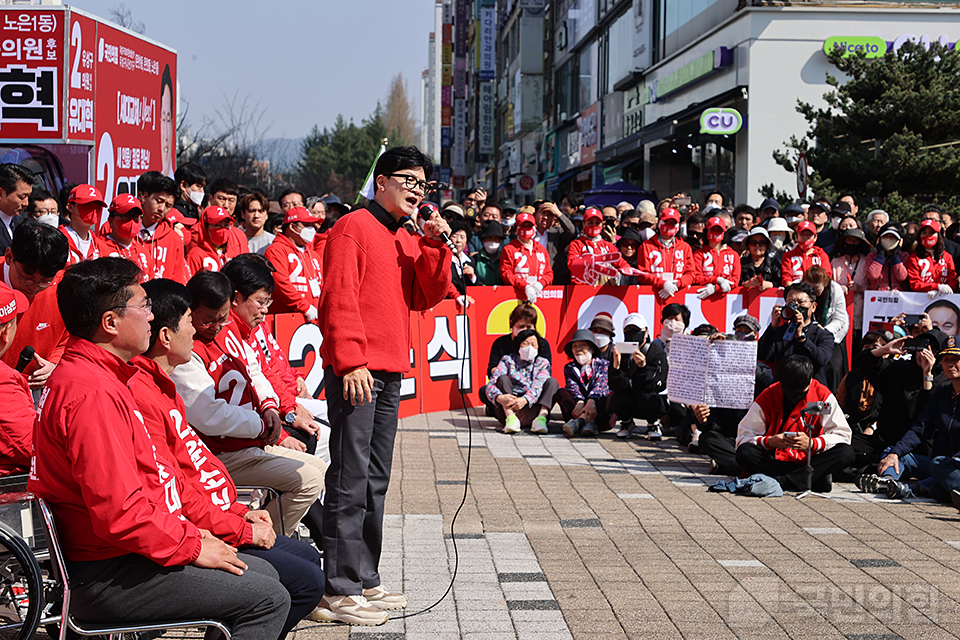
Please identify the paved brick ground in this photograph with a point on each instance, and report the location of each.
(599, 538)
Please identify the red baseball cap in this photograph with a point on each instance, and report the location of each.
(806, 225)
(215, 215)
(933, 224)
(670, 214)
(592, 212)
(12, 303)
(426, 210)
(300, 214)
(716, 222)
(86, 194)
(124, 203)
(176, 216)
(524, 218)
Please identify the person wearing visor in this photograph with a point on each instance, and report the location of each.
(297, 277)
(666, 261)
(804, 255)
(524, 262)
(85, 206)
(885, 267)
(930, 268)
(120, 235)
(593, 260)
(216, 242)
(715, 265)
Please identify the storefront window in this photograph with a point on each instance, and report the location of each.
(619, 50)
(588, 75)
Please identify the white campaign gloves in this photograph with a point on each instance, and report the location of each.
(725, 284)
(669, 288)
(707, 291)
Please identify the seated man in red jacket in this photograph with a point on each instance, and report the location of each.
(775, 435)
(171, 345)
(297, 276)
(134, 552)
(16, 419)
(161, 244)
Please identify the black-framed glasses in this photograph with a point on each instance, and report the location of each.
(147, 305)
(410, 182)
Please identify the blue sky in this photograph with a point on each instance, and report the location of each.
(304, 61)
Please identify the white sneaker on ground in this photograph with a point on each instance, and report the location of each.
(386, 600)
(353, 610)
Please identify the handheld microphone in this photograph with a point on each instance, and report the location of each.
(26, 356)
(447, 241)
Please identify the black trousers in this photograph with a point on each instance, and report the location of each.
(723, 450)
(361, 455)
(793, 475)
(649, 407)
(298, 565)
(568, 402)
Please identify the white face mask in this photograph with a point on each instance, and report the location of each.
(491, 246)
(835, 223)
(777, 241)
(602, 339)
(509, 222)
(528, 354)
(647, 233)
(583, 359)
(49, 219)
(196, 197)
(307, 234)
(672, 328)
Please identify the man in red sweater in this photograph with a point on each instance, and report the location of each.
(796, 261)
(297, 276)
(375, 275)
(161, 245)
(16, 419)
(127, 523)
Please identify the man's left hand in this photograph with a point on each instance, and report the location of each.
(799, 441)
(258, 515)
(293, 444)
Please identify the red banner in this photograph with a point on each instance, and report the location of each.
(451, 347)
(31, 74)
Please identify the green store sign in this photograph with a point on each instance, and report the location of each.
(872, 46)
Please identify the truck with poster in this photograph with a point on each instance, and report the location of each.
(83, 100)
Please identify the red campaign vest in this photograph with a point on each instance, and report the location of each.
(526, 262)
(931, 271)
(75, 254)
(711, 263)
(134, 253)
(658, 259)
(796, 262)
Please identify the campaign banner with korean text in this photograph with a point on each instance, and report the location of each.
(451, 345)
(881, 307)
(31, 74)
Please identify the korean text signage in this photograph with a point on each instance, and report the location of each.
(31, 68)
(720, 122)
(486, 52)
(588, 124)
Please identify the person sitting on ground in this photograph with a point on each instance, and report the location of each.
(603, 334)
(831, 314)
(198, 470)
(16, 420)
(127, 524)
(299, 273)
(524, 316)
(521, 387)
(253, 210)
(85, 206)
(638, 381)
(804, 255)
(584, 398)
(120, 236)
(715, 265)
(717, 426)
(758, 268)
(486, 260)
(674, 320)
(774, 438)
(793, 330)
(235, 409)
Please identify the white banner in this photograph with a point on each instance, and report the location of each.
(884, 306)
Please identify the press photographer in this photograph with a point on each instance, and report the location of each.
(793, 331)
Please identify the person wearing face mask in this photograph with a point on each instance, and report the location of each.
(715, 265)
(216, 242)
(120, 235)
(885, 267)
(781, 236)
(520, 386)
(773, 438)
(191, 179)
(85, 205)
(298, 276)
(666, 261)
(628, 244)
(793, 330)
(930, 268)
(603, 335)
(648, 223)
(43, 208)
(803, 256)
(674, 319)
(583, 400)
(486, 261)
(849, 270)
(639, 381)
(524, 262)
(758, 269)
(592, 260)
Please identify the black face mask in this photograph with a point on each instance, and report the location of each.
(851, 249)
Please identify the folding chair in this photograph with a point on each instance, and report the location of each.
(112, 631)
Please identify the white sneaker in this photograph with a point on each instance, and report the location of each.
(386, 600)
(353, 610)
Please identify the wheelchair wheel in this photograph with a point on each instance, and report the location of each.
(21, 589)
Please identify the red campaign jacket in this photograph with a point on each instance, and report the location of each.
(925, 274)
(40, 327)
(94, 462)
(204, 255)
(517, 262)
(795, 262)
(710, 264)
(201, 471)
(375, 274)
(75, 255)
(654, 259)
(268, 364)
(164, 253)
(16, 422)
(135, 252)
(584, 245)
(297, 279)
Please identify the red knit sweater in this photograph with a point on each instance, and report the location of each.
(375, 273)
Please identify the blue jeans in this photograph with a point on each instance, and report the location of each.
(946, 471)
(912, 465)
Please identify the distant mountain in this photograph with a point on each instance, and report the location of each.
(283, 153)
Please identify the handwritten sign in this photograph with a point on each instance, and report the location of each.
(719, 374)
